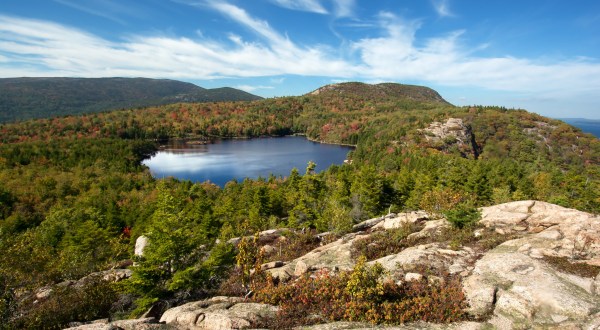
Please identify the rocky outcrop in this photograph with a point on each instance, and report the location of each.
(218, 313)
(136, 324)
(453, 129)
(401, 219)
(337, 256)
(513, 282)
(551, 230)
(525, 291)
(452, 132)
(333, 256)
(263, 236)
(392, 221)
(111, 275)
(430, 256)
(513, 286)
(518, 286)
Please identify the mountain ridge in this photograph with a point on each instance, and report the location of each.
(40, 97)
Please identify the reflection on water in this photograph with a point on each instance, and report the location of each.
(226, 160)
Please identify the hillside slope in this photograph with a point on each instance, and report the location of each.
(383, 91)
(27, 98)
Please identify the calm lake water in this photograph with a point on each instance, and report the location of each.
(225, 160)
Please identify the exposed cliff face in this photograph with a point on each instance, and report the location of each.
(520, 284)
(452, 132)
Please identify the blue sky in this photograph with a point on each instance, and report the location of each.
(543, 56)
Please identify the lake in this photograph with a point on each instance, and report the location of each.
(225, 160)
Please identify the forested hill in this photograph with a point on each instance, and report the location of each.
(383, 91)
(26, 98)
(74, 196)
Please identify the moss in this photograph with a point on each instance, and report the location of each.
(580, 269)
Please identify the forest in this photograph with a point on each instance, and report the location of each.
(74, 196)
(42, 97)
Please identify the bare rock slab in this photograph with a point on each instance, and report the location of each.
(218, 313)
(525, 290)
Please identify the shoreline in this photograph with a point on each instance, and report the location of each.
(210, 140)
(325, 142)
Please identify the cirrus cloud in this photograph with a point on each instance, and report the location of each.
(31, 47)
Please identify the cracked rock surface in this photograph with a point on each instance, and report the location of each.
(518, 286)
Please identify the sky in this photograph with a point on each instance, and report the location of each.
(542, 56)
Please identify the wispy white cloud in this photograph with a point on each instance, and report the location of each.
(252, 88)
(444, 60)
(260, 27)
(442, 8)
(313, 6)
(344, 8)
(339, 8)
(40, 48)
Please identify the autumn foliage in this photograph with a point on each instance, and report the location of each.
(363, 295)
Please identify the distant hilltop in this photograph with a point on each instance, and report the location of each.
(27, 98)
(383, 91)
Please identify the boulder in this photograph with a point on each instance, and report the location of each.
(43, 293)
(410, 277)
(116, 275)
(431, 255)
(135, 324)
(367, 224)
(398, 220)
(218, 313)
(263, 236)
(431, 227)
(272, 264)
(301, 268)
(140, 244)
(111, 275)
(536, 217)
(333, 256)
(268, 249)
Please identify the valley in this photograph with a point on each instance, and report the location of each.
(75, 198)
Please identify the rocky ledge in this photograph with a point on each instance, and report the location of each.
(537, 278)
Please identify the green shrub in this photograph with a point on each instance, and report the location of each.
(462, 216)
